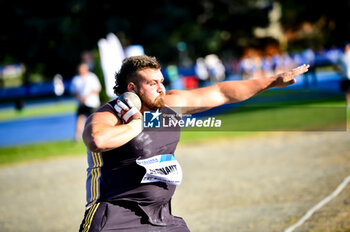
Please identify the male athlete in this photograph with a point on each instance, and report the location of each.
(132, 173)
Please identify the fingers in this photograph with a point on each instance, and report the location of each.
(130, 113)
(301, 69)
(124, 111)
(295, 72)
(287, 78)
(122, 105)
(303, 66)
(118, 109)
(130, 103)
(292, 81)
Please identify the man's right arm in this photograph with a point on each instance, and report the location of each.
(104, 130)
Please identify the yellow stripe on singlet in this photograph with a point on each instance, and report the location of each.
(92, 182)
(89, 217)
(98, 175)
(95, 173)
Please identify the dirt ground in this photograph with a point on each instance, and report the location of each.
(264, 182)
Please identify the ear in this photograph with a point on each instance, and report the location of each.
(131, 87)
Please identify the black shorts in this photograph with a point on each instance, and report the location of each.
(105, 216)
(345, 85)
(85, 110)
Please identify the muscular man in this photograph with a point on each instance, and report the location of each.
(120, 196)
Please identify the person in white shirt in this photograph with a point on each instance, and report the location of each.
(85, 88)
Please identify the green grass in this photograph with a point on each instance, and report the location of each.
(322, 116)
(190, 137)
(25, 153)
(288, 118)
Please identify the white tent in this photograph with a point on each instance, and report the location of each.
(112, 55)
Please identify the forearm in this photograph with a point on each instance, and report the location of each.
(102, 137)
(235, 91)
(201, 99)
(242, 90)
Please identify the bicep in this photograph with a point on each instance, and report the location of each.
(197, 99)
(104, 117)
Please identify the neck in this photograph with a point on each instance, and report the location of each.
(145, 108)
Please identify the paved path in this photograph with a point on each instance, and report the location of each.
(259, 183)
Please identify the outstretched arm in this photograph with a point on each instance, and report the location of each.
(197, 100)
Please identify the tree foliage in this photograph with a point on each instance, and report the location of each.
(49, 37)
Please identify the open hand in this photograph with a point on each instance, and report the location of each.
(287, 78)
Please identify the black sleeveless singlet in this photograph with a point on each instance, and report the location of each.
(114, 176)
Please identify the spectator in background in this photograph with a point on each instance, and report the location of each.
(345, 73)
(85, 88)
(201, 71)
(88, 59)
(215, 67)
(247, 68)
(173, 77)
(267, 66)
(310, 58)
(283, 62)
(333, 54)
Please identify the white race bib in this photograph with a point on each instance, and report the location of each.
(163, 168)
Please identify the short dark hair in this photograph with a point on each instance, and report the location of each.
(129, 67)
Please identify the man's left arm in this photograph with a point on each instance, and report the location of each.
(196, 100)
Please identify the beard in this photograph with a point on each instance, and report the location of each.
(153, 105)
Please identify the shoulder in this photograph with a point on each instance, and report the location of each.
(75, 79)
(75, 83)
(92, 75)
(93, 78)
(106, 114)
(108, 107)
(174, 98)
